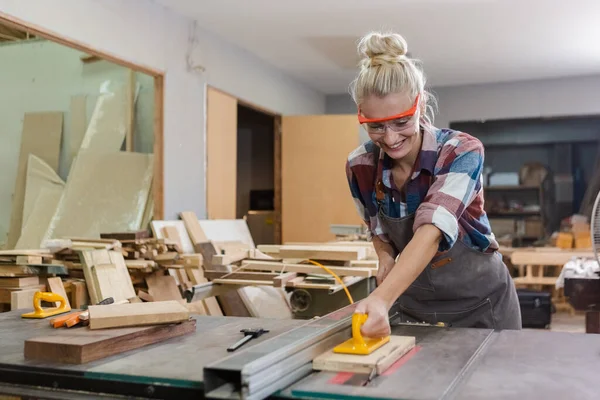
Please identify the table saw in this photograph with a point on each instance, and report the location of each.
(446, 363)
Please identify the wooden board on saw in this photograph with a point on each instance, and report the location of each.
(381, 359)
(138, 314)
(323, 252)
(81, 345)
(106, 275)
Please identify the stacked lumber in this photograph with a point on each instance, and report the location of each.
(20, 278)
(297, 266)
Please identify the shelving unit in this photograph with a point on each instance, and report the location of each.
(509, 209)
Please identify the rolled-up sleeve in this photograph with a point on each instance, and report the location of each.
(456, 182)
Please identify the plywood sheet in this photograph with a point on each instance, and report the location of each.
(78, 118)
(138, 314)
(43, 189)
(315, 192)
(227, 230)
(221, 142)
(106, 192)
(108, 125)
(186, 244)
(41, 137)
(81, 345)
(381, 359)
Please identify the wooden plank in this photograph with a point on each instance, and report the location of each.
(5, 293)
(24, 260)
(130, 235)
(11, 271)
(163, 288)
(221, 138)
(20, 282)
(243, 282)
(308, 217)
(55, 285)
(139, 314)
(259, 276)
(192, 225)
(304, 268)
(381, 359)
(172, 233)
(41, 137)
(323, 252)
(80, 346)
(228, 259)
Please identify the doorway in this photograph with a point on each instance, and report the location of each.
(255, 188)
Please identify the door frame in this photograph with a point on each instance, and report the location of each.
(158, 149)
(276, 152)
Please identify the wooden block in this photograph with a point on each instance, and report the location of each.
(282, 279)
(381, 359)
(55, 285)
(80, 346)
(6, 293)
(229, 259)
(9, 271)
(20, 299)
(193, 227)
(80, 294)
(20, 282)
(25, 260)
(323, 252)
(212, 307)
(163, 288)
(192, 260)
(125, 315)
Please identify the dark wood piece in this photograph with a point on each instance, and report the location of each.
(81, 345)
(133, 235)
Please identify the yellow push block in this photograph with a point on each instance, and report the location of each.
(40, 312)
(357, 344)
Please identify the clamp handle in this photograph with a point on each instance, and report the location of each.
(50, 297)
(358, 320)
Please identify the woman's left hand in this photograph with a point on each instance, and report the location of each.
(378, 323)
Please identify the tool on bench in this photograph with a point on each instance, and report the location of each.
(76, 317)
(249, 334)
(49, 297)
(357, 344)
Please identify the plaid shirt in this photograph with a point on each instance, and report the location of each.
(445, 189)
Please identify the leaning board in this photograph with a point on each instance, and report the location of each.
(381, 359)
(81, 345)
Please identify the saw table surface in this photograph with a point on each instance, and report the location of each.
(175, 363)
(447, 363)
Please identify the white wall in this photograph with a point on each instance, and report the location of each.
(144, 33)
(42, 76)
(542, 98)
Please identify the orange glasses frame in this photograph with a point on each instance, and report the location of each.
(408, 113)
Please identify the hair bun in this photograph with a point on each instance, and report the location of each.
(378, 48)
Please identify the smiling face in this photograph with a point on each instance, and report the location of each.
(398, 137)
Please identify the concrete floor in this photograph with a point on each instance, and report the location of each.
(565, 322)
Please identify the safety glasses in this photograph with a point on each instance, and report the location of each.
(396, 122)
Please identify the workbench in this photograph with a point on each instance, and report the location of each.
(447, 363)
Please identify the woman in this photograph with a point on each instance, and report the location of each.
(419, 190)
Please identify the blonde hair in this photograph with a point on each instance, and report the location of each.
(385, 68)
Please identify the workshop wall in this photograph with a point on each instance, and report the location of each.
(148, 34)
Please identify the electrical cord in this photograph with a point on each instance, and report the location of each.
(337, 278)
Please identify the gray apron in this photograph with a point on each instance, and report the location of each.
(462, 287)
